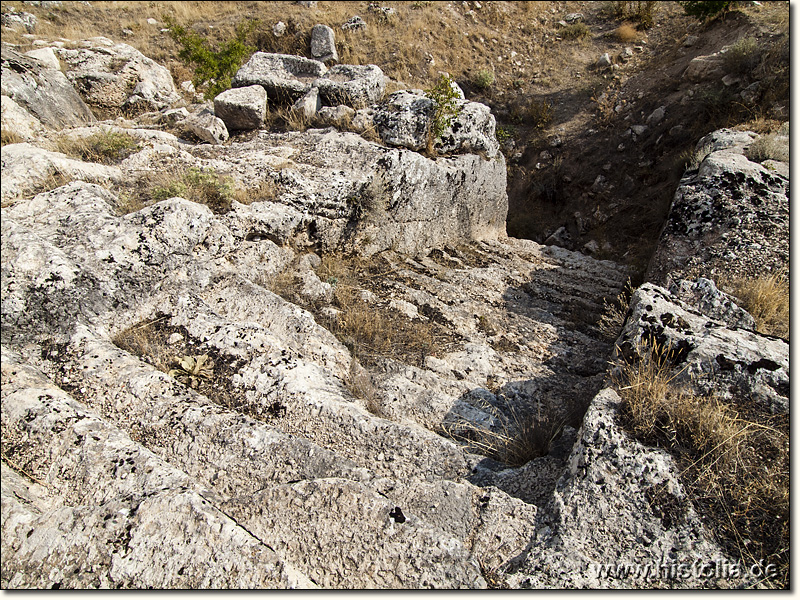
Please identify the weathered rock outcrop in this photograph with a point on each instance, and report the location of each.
(113, 75)
(45, 93)
(303, 455)
(373, 490)
(730, 217)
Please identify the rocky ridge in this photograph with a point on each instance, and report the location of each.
(295, 465)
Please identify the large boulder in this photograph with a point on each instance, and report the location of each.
(353, 85)
(242, 108)
(285, 78)
(114, 75)
(363, 196)
(44, 92)
(729, 218)
(702, 68)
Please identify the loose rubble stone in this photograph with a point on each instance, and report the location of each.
(323, 44)
(242, 108)
(285, 78)
(207, 127)
(309, 105)
(355, 23)
(47, 56)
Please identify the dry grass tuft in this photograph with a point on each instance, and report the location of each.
(614, 313)
(770, 146)
(10, 137)
(736, 468)
(265, 190)
(520, 437)
(143, 340)
(105, 147)
(767, 299)
(626, 33)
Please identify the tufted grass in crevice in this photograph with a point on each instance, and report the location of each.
(521, 436)
(736, 468)
(104, 147)
(766, 298)
(769, 146)
(370, 328)
(614, 313)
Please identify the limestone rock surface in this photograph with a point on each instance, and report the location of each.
(242, 108)
(284, 77)
(45, 93)
(109, 75)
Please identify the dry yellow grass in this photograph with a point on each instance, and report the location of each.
(9, 137)
(767, 299)
(142, 340)
(626, 33)
(736, 468)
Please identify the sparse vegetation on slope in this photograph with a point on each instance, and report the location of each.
(736, 467)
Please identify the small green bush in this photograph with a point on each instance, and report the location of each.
(215, 67)
(444, 95)
(483, 79)
(706, 11)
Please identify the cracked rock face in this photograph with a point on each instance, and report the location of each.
(46, 93)
(300, 456)
(730, 217)
(715, 357)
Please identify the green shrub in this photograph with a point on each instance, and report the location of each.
(706, 11)
(483, 79)
(215, 67)
(444, 95)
